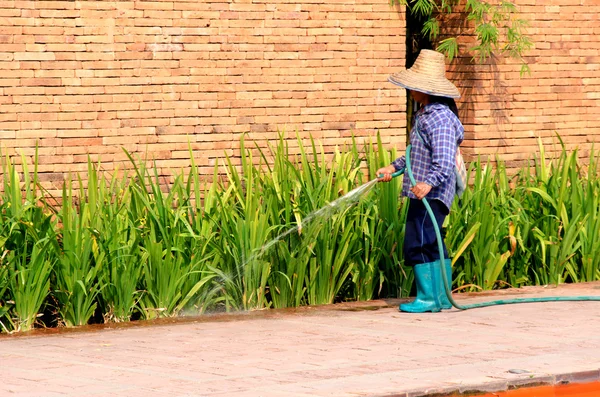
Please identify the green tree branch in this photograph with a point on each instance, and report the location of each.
(497, 28)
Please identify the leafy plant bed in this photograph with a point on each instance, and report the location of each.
(128, 248)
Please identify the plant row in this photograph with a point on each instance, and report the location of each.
(285, 228)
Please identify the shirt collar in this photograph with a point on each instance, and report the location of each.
(430, 107)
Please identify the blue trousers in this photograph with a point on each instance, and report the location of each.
(420, 241)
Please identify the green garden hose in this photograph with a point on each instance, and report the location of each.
(443, 268)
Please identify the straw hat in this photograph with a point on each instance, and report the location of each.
(427, 75)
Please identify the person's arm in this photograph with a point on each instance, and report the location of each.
(443, 151)
(399, 163)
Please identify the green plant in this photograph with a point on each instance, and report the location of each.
(497, 29)
(3, 287)
(391, 212)
(244, 230)
(117, 252)
(281, 230)
(167, 243)
(77, 283)
(26, 238)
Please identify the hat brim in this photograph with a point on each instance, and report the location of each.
(417, 82)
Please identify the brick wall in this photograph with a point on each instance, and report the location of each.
(91, 77)
(504, 113)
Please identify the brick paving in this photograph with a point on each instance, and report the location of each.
(355, 349)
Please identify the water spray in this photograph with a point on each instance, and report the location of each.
(324, 212)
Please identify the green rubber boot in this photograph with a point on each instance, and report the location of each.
(443, 297)
(429, 283)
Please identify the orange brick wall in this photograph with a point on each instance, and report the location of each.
(504, 113)
(91, 77)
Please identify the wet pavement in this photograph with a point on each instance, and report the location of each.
(352, 349)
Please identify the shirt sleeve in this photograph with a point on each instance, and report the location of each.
(399, 163)
(443, 151)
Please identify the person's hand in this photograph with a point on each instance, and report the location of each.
(421, 189)
(385, 174)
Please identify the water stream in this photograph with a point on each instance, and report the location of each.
(323, 213)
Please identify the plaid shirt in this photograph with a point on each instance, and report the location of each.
(433, 161)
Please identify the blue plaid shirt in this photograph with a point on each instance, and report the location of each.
(433, 160)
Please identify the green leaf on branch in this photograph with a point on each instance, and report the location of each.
(449, 47)
(496, 27)
(431, 28)
(422, 7)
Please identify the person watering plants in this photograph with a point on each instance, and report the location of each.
(435, 136)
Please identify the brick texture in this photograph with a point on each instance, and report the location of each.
(86, 78)
(504, 113)
(92, 77)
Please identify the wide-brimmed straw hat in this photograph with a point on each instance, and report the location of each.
(427, 75)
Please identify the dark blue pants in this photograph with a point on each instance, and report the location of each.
(420, 241)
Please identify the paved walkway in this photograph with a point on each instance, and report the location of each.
(367, 349)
